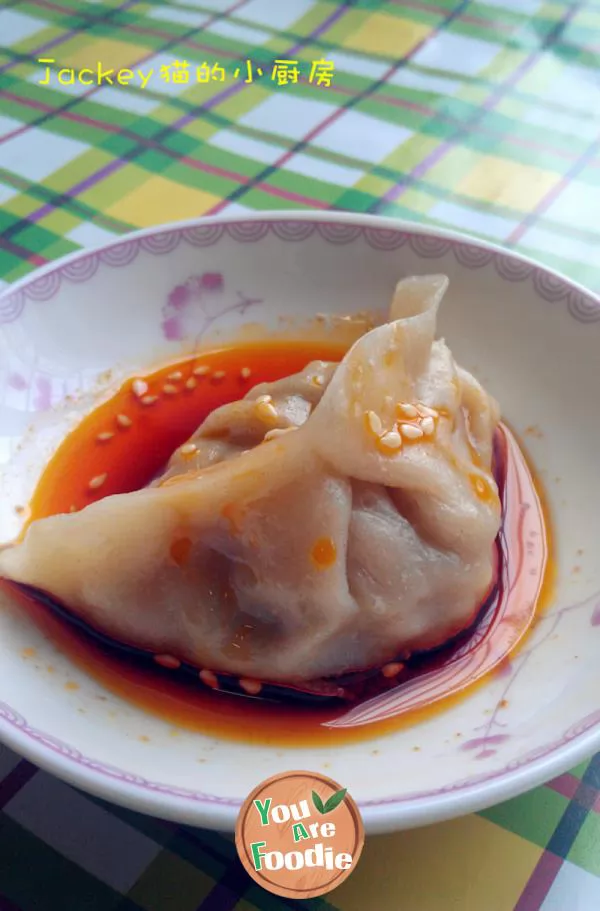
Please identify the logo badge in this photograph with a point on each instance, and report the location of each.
(299, 835)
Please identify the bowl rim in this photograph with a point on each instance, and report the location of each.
(187, 808)
(383, 815)
(382, 222)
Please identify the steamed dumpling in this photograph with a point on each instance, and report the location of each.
(321, 525)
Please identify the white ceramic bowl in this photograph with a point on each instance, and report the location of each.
(531, 336)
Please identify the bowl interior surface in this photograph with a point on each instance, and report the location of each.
(529, 336)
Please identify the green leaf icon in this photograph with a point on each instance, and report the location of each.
(318, 802)
(335, 800)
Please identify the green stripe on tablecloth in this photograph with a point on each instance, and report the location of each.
(533, 816)
(21, 853)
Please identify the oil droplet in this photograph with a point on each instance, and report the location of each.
(234, 514)
(180, 550)
(483, 488)
(324, 553)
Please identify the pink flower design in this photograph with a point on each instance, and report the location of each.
(172, 329)
(195, 304)
(178, 297)
(490, 740)
(212, 281)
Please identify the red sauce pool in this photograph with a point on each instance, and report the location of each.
(137, 448)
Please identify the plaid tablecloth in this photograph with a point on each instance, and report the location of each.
(483, 116)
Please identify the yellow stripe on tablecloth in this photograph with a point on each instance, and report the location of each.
(468, 864)
(109, 52)
(161, 200)
(388, 35)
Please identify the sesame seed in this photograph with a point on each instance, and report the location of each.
(72, 508)
(218, 375)
(318, 381)
(391, 440)
(98, 481)
(480, 486)
(266, 411)
(188, 448)
(252, 687)
(168, 661)
(202, 370)
(149, 399)
(277, 432)
(374, 422)
(124, 421)
(411, 431)
(407, 410)
(191, 383)
(209, 679)
(392, 669)
(263, 398)
(139, 387)
(176, 375)
(427, 426)
(245, 373)
(428, 412)
(170, 389)
(105, 435)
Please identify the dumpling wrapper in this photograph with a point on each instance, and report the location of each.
(309, 555)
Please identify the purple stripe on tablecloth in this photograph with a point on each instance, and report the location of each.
(220, 96)
(395, 192)
(539, 883)
(238, 87)
(566, 785)
(81, 187)
(15, 780)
